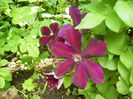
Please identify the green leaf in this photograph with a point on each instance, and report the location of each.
(2, 82)
(6, 1)
(4, 72)
(126, 57)
(91, 20)
(131, 90)
(3, 62)
(124, 10)
(28, 16)
(30, 0)
(67, 81)
(108, 91)
(116, 42)
(131, 76)
(23, 46)
(29, 85)
(122, 87)
(113, 22)
(99, 97)
(111, 65)
(97, 7)
(33, 50)
(124, 72)
(100, 29)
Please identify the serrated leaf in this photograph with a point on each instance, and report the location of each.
(116, 42)
(122, 87)
(27, 17)
(124, 72)
(4, 72)
(33, 50)
(91, 20)
(2, 82)
(29, 85)
(3, 62)
(124, 10)
(113, 22)
(126, 57)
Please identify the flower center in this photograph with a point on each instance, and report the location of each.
(77, 58)
(51, 33)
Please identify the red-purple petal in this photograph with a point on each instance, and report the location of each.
(45, 40)
(64, 67)
(45, 30)
(80, 77)
(72, 35)
(75, 15)
(53, 84)
(54, 27)
(94, 48)
(83, 15)
(61, 50)
(95, 71)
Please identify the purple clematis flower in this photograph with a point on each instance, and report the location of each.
(74, 57)
(76, 16)
(53, 80)
(50, 34)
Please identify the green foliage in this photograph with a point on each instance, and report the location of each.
(3, 62)
(107, 20)
(124, 10)
(116, 42)
(5, 76)
(67, 81)
(108, 91)
(29, 85)
(116, 25)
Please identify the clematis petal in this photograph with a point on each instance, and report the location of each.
(95, 71)
(75, 15)
(53, 84)
(83, 15)
(45, 30)
(61, 50)
(94, 48)
(45, 40)
(80, 77)
(54, 27)
(72, 35)
(64, 67)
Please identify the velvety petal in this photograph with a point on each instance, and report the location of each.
(83, 15)
(60, 39)
(80, 77)
(75, 15)
(45, 30)
(60, 82)
(45, 40)
(72, 35)
(64, 67)
(53, 84)
(94, 48)
(54, 27)
(61, 50)
(95, 71)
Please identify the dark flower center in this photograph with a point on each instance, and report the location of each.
(77, 58)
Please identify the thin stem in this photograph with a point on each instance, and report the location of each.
(44, 88)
